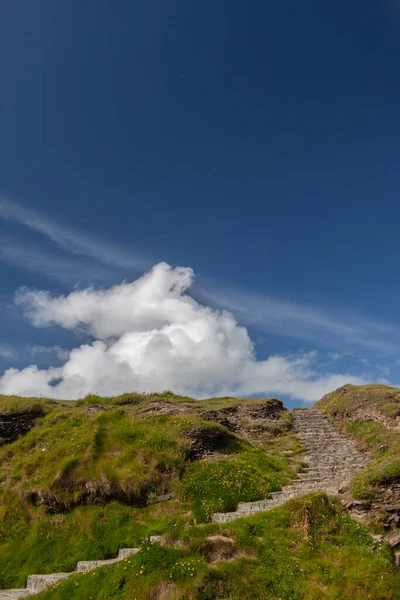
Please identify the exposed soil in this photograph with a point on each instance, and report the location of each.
(16, 424)
(206, 440)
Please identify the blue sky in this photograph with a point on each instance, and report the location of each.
(255, 143)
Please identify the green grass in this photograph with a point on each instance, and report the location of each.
(384, 467)
(385, 400)
(248, 476)
(80, 484)
(308, 549)
(16, 404)
(71, 458)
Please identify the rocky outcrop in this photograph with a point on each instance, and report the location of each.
(253, 419)
(206, 440)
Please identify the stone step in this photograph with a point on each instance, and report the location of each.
(323, 441)
(323, 478)
(256, 506)
(38, 583)
(338, 472)
(14, 594)
(126, 552)
(88, 565)
(336, 441)
(321, 433)
(286, 496)
(328, 469)
(316, 486)
(328, 441)
(330, 457)
(226, 517)
(318, 449)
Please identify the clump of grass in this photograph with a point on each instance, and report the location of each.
(219, 485)
(16, 404)
(346, 400)
(69, 459)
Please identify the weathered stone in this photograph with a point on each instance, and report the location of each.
(38, 583)
(89, 565)
(14, 594)
(155, 539)
(393, 539)
(126, 552)
(164, 498)
(392, 508)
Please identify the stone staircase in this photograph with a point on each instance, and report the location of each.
(39, 583)
(332, 459)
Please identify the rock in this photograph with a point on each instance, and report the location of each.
(392, 508)
(164, 497)
(393, 539)
(393, 519)
(155, 539)
(217, 417)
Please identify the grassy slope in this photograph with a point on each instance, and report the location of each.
(369, 414)
(308, 549)
(80, 484)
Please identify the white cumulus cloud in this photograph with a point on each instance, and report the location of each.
(150, 335)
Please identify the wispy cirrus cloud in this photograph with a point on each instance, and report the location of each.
(7, 352)
(72, 240)
(345, 332)
(63, 267)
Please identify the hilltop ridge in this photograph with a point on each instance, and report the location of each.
(84, 479)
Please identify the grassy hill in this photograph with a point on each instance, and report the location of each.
(89, 477)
